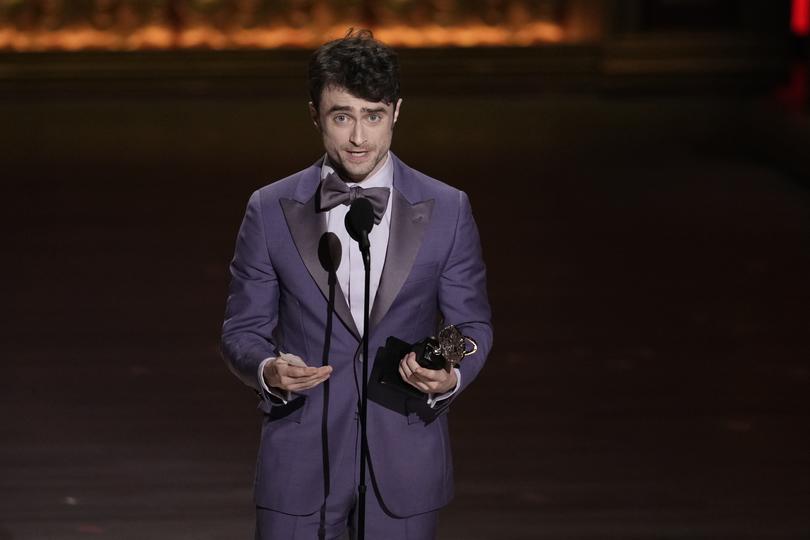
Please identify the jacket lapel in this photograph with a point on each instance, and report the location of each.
(408, 224)
(307, 226)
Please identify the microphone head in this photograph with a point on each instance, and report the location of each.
(329, 252)
(360, 219)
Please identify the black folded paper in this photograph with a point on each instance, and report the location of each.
(386, 367)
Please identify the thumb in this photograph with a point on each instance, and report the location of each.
(279, 364)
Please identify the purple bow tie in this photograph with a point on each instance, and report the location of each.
(334, 191)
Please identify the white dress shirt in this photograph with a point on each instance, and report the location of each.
(351, 272)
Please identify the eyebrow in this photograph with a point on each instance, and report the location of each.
(346, 108)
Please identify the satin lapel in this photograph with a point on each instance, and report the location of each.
(307, 226)
(408, 224)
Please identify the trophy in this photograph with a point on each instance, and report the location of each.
(444, 351)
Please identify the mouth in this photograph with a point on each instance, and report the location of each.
(357, 155)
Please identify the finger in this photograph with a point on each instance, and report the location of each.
(430, 375)
(298, 385)
(299, 372)
(404, 368)
(435, 380)
(306, 386)
(413, 381)
(319, 373)
(297, 382)
(403, 374)
(411, 362)
(425, 386)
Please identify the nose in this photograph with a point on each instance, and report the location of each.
(358, 136)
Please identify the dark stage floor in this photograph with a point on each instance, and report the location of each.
(649, 279)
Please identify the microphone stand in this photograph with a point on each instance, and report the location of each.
(329, 254)
(359, 221)
(330, 309)
(361, 516)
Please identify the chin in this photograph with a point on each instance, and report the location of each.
(359, 173)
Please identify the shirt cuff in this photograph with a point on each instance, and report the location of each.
(268, 392)
(433, 398)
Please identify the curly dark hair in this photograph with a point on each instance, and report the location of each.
(365, 67)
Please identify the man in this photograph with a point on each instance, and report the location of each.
(279, 337)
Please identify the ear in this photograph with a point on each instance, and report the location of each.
(313, 114)
(396, 109)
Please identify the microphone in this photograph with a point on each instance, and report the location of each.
(359, 221)
(329, 253)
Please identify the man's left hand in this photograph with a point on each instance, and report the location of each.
(429, 381)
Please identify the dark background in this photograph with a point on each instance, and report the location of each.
(645, 215)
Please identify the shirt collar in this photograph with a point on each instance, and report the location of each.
(384, 177)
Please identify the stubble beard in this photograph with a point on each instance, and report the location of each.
(357, 173)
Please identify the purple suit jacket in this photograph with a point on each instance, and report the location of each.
(278, 302)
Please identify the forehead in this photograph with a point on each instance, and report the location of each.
(336, 96)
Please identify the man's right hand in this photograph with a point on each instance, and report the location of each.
(280, 374)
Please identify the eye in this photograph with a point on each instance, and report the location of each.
(341, 118)
(374, 117)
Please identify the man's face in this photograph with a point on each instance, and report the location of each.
(356, 133)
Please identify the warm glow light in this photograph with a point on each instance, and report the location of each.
(268, 24)
(800, 17)
(469, 36)
(201, 35)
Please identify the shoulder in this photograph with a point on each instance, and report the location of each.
(416, 185)
(300, 186)
(284, 187)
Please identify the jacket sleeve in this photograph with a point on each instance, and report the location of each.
(251, 313)
(463, 297)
